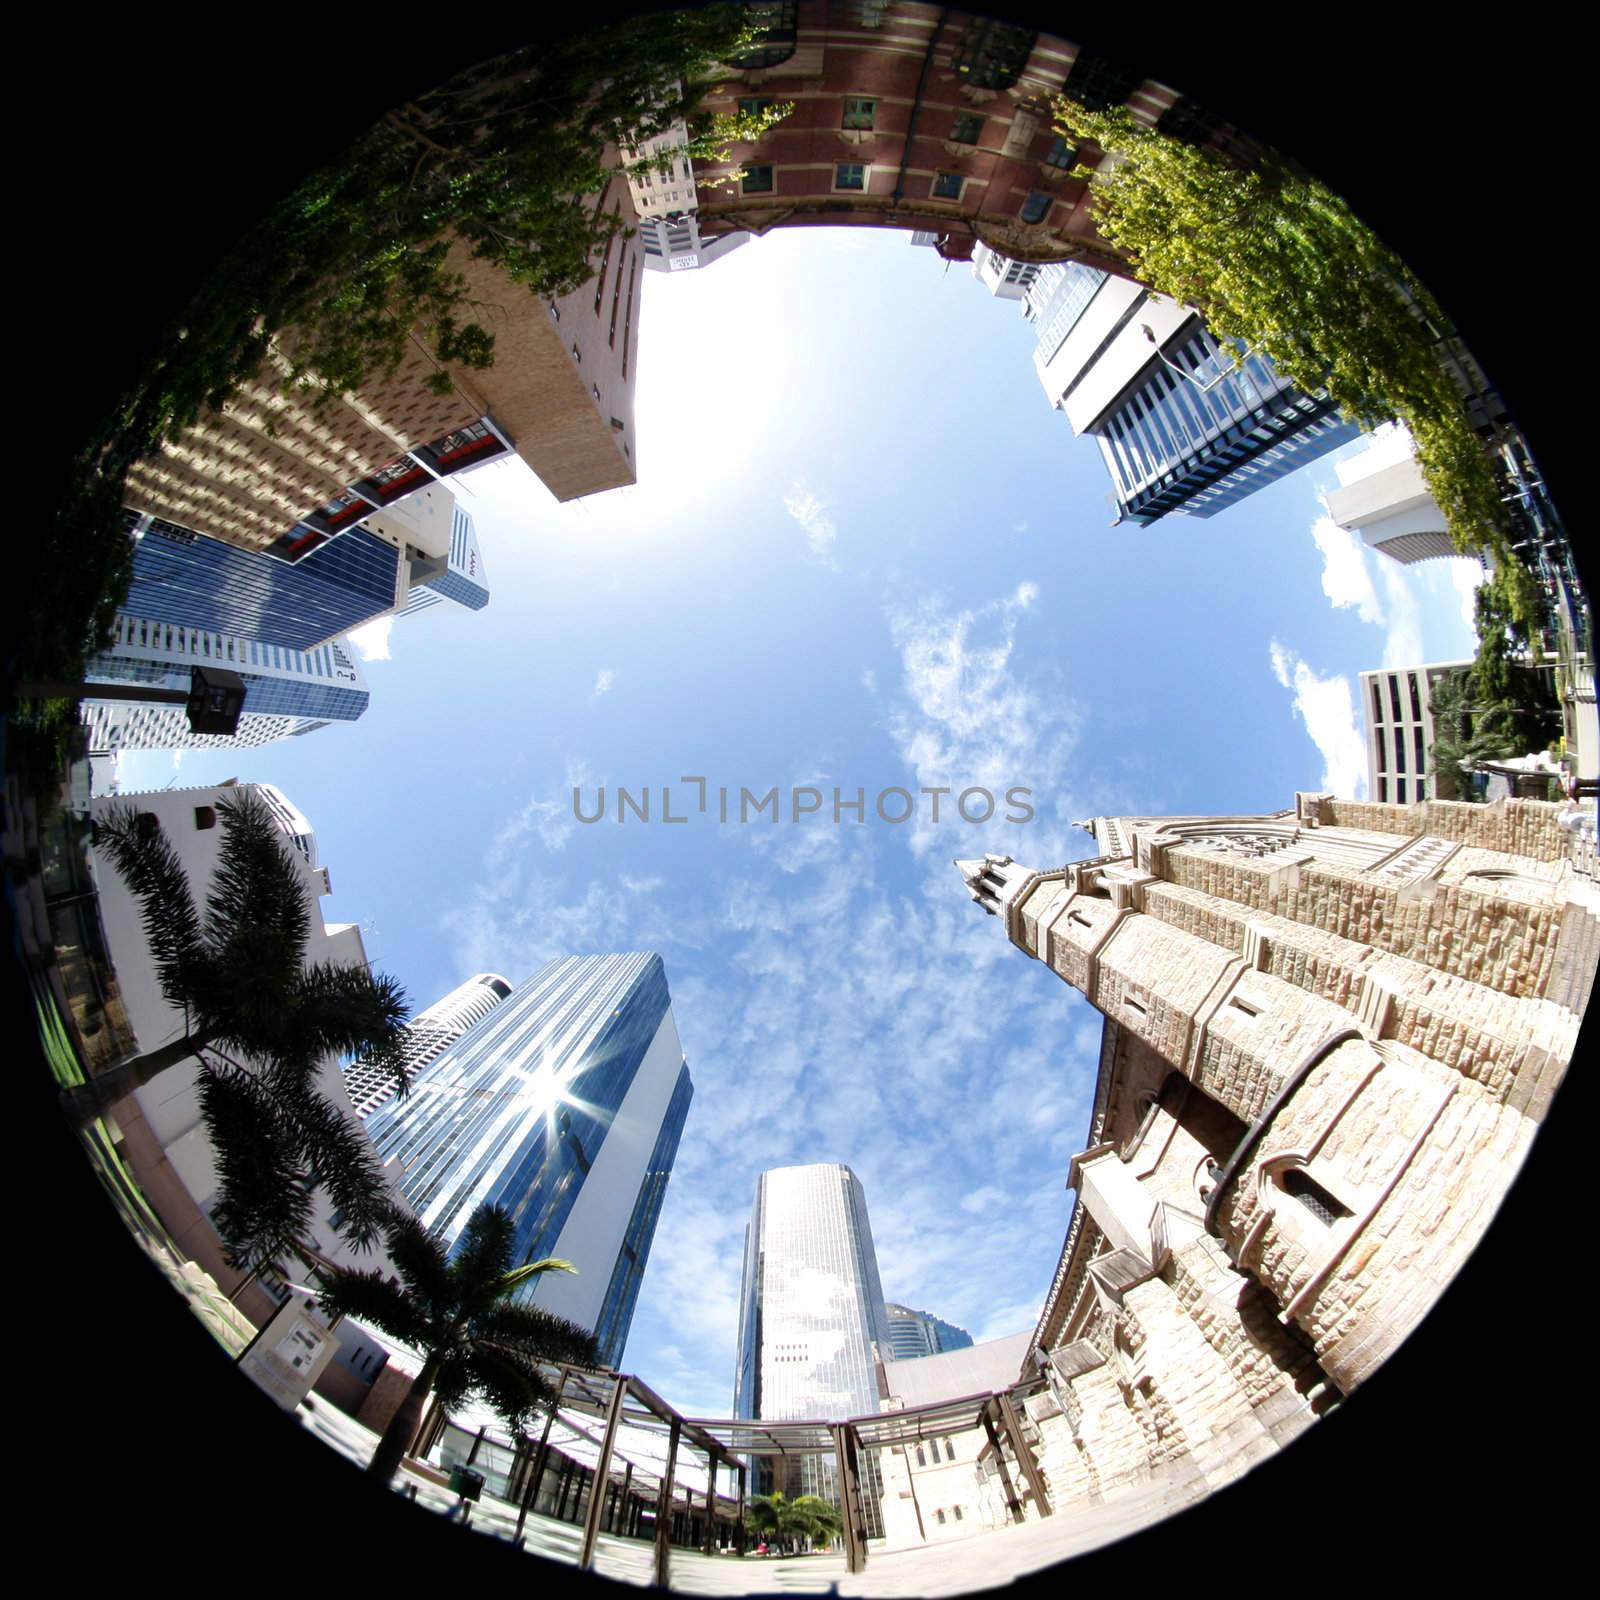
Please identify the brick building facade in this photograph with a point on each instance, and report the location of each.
(270, 472)
(927, 119)
(1330, 1036)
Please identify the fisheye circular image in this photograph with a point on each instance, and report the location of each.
(799, 797)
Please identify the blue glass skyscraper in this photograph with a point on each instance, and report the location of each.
(564, 1106)
(420, 553)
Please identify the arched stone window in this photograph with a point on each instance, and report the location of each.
(1302, 1197)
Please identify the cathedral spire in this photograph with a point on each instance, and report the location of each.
(993, 880)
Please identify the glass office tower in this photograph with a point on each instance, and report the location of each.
(419, 554)
(915, 1333)
(810, 1309)
(287, 692)
(564, 1105)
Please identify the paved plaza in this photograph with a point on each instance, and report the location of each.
(982, 1561)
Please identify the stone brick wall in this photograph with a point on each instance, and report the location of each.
(1515, 827)
(1470, 932)
(1153, 979)
(1402, 1243)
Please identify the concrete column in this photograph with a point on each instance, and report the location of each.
(1024, 1454)
(664, 1508)
(599, 1494)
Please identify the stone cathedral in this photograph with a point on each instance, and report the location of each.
(1330, 1036)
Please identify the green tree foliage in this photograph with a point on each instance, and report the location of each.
(805, 1519)
(512, 158)
(1273, 259)
(262, 1023)
(456, 1310)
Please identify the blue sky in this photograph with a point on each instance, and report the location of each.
(863, 552)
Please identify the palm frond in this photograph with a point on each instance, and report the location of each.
(263, 1204)
(147, 863)
(420, 1260)
(352, 1011)
(371, 1297)
(535, 1334)
(511, 1385)
(518, 1276)
(341, 1159)
(453, 1384)
(482, 1255)
(258, 912)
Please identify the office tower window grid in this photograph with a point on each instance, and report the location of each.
(428, 1036)
(1204, 437)
(515, 1113)
(184, 577)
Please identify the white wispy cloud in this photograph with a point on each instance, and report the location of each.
(815, 520)
(1465, 577)
(827, 1016)
(1346, 578)
(1327, 707)
(602, 684)
(548, 818)
(372, 639)
(969, 719)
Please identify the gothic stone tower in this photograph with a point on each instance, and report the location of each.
(1330, 1035)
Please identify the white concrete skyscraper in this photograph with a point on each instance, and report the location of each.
(810, 1306)
(427, 1037)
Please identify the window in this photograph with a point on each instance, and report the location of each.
(947, 185)
(950, 1455)
(860, 113)
(991, 55)
(757, 180)
(939, 1515)
(1185, 121)
(753, 106)
(922, 1460)
(1061, 154)
(957, 1512)
(1416, 699)
(1036, 207)
(849, 175)
(1298, 1183)
(205, 817)
(1098, 84)
(968, 128)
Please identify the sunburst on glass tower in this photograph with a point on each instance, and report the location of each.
(564, 1105)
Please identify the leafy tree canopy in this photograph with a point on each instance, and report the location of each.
(1273, 259)
(511, 158)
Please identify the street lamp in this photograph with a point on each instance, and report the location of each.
(213, 701)
(1149, 333)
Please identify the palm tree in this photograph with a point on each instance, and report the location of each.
(805, 1517)
(239, 977)
(815, 1519)
(455, 1310)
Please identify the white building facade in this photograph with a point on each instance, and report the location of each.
(160, 1126)
(428, 1036)
(1399, 713)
